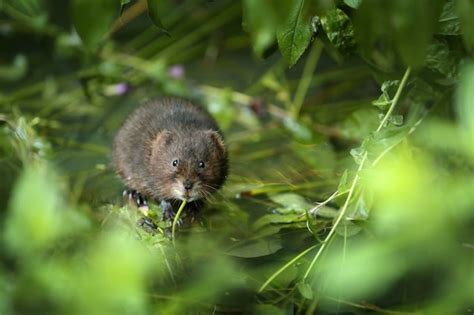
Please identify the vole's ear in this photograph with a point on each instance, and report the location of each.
(163, 137)
(217, 139)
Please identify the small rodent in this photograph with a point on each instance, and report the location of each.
(169, 150)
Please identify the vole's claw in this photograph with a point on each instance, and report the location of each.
(140, 200)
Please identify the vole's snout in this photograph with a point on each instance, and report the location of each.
(188, 185)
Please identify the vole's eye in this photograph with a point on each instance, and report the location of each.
(201, 164)
(175, 163)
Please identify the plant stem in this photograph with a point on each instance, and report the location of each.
(175, 220)
(395, 99)
(288, 264)
(357, 176)
(308, 70)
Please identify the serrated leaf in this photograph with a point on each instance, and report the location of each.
(305, 290)
(441, 59)
(295, 34)
(256, 248)
(339, 30)
(154, 12)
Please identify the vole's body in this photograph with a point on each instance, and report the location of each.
(168, 150)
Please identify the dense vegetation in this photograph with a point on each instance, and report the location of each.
(350, 128)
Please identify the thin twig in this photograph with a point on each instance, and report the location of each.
(176, 219)
(288, 264)
(306, 77)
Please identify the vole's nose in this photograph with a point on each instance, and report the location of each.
(188, 184)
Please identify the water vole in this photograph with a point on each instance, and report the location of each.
(169, 150)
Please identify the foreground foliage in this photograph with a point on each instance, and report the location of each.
(351, 144)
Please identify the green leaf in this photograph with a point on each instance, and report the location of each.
(353, 3)
(442, 59)
(37, 214)
(295, 33)
(16, 71)
(414, 23)
(261, 27)
(305, 290)
(93, 19)
(278, 219)
(409, 25)
(348, 228)
(291, 202)
(154, 12)
(339, 30)
(256, 248)
(449, 23)
(465, 9)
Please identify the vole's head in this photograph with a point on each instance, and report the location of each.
(187, 165)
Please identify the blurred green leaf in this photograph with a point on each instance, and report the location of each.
(353, 3)
(465, 10)
(291, 202)
(319, 156)
(262, 27)
(410, 26)
(101, 278)
(37, 214)
(16, 71)
(154, 12)
(278, 219)
(256, 248)
(93, 19)
(348, 228)
(305, 290)
(365, 270)
(268, 309)
(295, 33)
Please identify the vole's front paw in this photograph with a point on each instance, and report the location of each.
(169, 214)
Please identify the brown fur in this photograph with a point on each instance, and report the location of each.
(160, 132)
